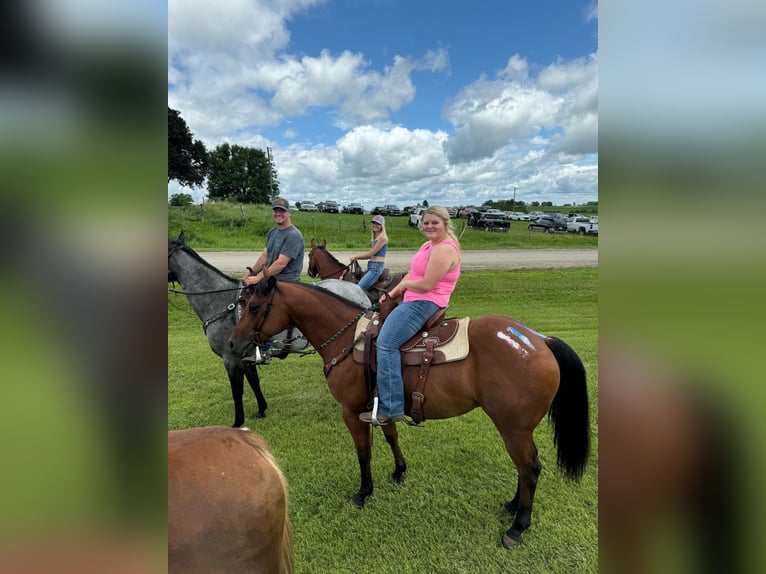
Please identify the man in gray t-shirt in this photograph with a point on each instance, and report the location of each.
(283, 255)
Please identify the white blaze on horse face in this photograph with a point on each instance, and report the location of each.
(513, 343)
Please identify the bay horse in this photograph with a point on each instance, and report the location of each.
(324, 265)
(227, 504)
(213, 295)
(513, 373)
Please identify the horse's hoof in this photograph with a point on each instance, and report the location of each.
(511, 507)
(510, 541)
(396, 479)
(259, 416)
(357, 500)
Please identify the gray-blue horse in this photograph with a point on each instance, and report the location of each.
(214, 295)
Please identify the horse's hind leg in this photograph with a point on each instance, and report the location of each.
(400, 465)
(524, 455)
(254, 381)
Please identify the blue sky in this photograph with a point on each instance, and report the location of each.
(389, 101)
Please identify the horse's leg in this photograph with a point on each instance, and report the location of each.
(251, 372)
(512, 506)
(523, 452)
(361, 433)
(237, 382)
(400, 465)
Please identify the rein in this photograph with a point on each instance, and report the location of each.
(207, 322)
(202, 292)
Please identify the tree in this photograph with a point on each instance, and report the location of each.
(187, 157)
(181, 199)
(241, 174)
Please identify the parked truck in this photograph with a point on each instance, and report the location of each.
(582, 226)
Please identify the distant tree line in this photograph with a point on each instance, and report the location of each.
(232, 172)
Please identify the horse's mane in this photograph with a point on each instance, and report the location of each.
(176, 245)
(261, 289)
(331, 256)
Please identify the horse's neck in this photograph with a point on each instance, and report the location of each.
(319, 316)
(195, 277)
(334, 266)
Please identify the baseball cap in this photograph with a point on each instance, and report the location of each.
(379, 219)
(280, 203)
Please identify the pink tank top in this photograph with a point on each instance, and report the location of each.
(440, 294)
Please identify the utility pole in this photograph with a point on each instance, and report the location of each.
(513, 202)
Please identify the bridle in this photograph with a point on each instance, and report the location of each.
(264, 315)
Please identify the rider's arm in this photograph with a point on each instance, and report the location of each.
(379, 243)
(274, 269)
(259, 264)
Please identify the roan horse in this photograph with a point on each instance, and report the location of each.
(227, 504)
(324, 265)
(213, 295)
(513, 373)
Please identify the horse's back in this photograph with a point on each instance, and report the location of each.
(227, 503)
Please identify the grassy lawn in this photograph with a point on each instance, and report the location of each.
(233, 227)
(447, 516)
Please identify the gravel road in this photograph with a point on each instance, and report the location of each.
(235, 262)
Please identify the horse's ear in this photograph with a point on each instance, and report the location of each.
(271, 282)
(324, 243)
(313, 243)
(182, 237)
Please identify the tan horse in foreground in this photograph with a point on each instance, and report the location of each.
(227, 504)
(513, 373)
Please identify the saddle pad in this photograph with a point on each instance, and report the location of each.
(455, 350)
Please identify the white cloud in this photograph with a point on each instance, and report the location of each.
(232, 76)
(491, 114)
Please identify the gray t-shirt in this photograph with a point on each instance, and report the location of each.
(287, 241)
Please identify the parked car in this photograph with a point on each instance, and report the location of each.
(354, 208)
(519, 216)
(547, 224)
(329, 207)
(308, 206)
(390, 209)
(535, 215)
(466, 211)
(492, 220)
(452, 211)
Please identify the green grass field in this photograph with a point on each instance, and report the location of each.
(233, 227)
(447, 516)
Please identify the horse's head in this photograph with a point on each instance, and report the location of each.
(313, 269)
(262, 318)
(173, 246)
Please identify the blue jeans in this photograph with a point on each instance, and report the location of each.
(374, 271)
(403, 322)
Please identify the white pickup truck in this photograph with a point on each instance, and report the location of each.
(582, 226)
(415, 216)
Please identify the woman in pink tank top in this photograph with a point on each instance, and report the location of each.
(434, 271)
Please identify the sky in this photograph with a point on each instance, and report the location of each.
(396, 101)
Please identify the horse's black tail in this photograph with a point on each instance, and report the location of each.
(569, 411)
